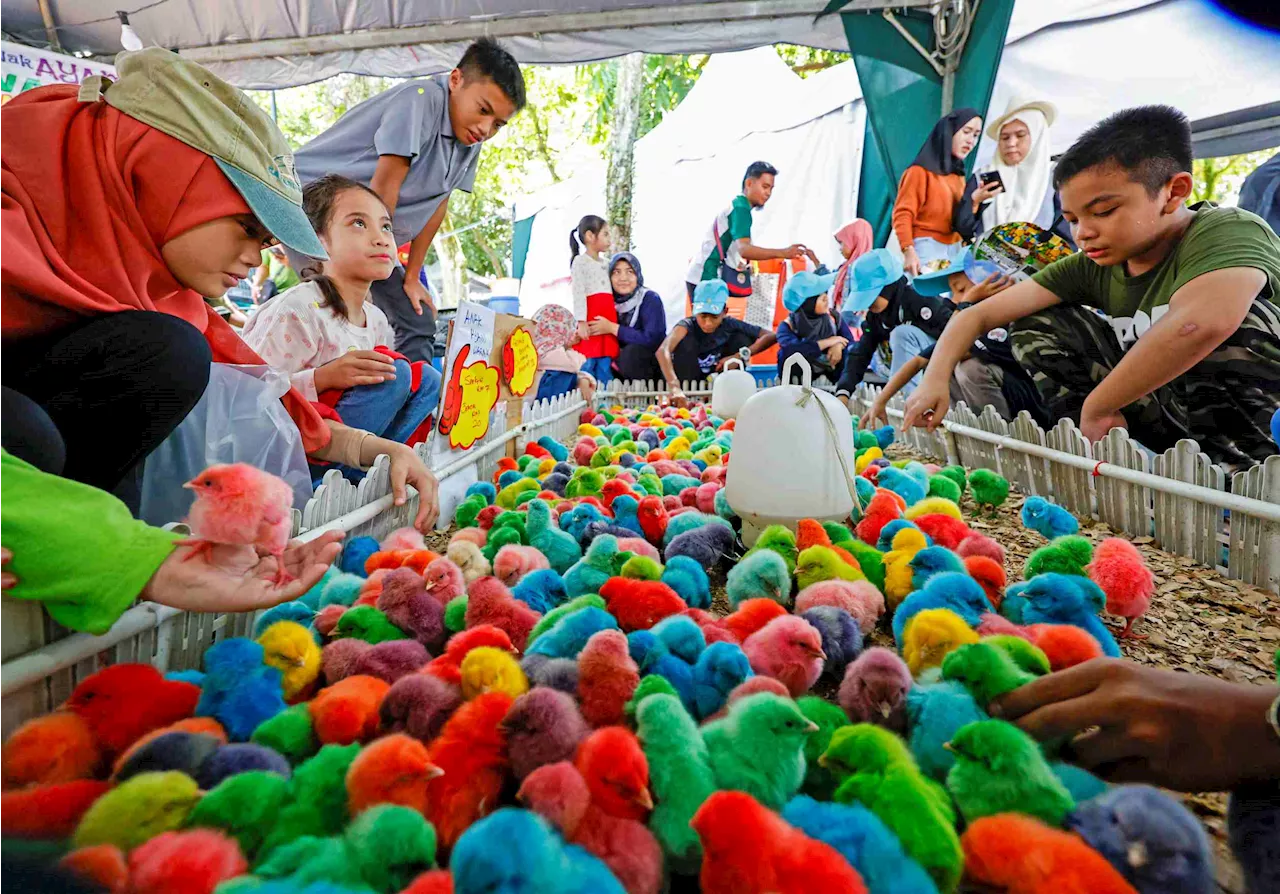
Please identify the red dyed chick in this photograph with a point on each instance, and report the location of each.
(1117, 568)
(48, 811)
(58, 747)
(433, 881)
(749, 849)
(472, 751)
(1021, 855)
(607, 677)
(191, 862)
(122, 702)
(103, 864)
(639, 604)
(752, 614)
(392, 770)
(617, 772)
(882, 509)
(942, 529)
(448, 667)
(490, 602)
(653, 518)
(238, 504)
(989, 574)
(347, 711)
(1065, 645)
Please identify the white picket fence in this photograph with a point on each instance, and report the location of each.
(1178, 498)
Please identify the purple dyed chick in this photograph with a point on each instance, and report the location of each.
(874, 689)
(407, 604)
(419, 705)
(705, 545)
(392, 660)
(543, 726)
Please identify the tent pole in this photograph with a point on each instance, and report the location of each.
(50, 29)
(948, 90)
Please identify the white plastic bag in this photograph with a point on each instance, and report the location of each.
(239, 419)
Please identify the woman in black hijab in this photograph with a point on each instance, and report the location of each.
(929, 191)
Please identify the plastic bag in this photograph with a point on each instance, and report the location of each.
(238, 420)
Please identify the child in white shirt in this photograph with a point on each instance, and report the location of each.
(589, 245)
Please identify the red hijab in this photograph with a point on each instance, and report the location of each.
(89, 196)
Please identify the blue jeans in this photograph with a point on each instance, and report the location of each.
(906, 341)
(390, 409)
(556, 382)
(601, 368)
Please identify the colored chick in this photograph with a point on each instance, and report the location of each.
(761, 575)
(778, 539)
(490, 602)
(820, 563)
(408, 604)
(347, 711)
(239, 690)
(1117, 568)
(639, 604)
(841, 637)
(875, 687)
(472, 751)
(238, 504)
(1001, 769)
(758, 748)
(613, 764)
(543, 726)
(689, 580)
(122, 702)
(394, 769)
(486, 669)
(419, 705)
(444, 581)
(1021, 855)
(680, 776)
(952, 590)
(1048, 518)
(986, 671)
(788, 649)
(989, 489)
(931, 636)
(607, 678)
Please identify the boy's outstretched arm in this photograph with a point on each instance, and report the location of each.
(665, 350)
(416, 291)
(1201, 316)
(876, 413)
(928, 403)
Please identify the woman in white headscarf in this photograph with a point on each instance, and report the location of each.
(1023, 161)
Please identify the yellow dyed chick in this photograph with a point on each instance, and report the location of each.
(486, 669)
(873, 453)
(897, 564)
(682, 413)
(677, 445)
(933, 634)
(546, 465)
(291, 648)
(589, 430)
(933, 506)
(710, 455)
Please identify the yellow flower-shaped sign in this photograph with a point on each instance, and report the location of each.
(470, 396)
(519, 361)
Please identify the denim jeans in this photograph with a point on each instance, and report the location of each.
(906, 341)
(391, 409)
(556, 382)
(601, 368)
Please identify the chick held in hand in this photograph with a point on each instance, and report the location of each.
(788, 649)
(1020, 855)
(1117, 568)
(875, 687)
(239, 505)
(758, 748)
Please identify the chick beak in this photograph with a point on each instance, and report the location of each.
(811, 728)
(434, 772)
(644, 800)
(885, 710)
(1137, 854)
(299, 662)
(948, 747)
(190, 485)
(822, 761)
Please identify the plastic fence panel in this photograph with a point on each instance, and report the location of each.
(1184, 525)
(1029, 473)
(990, 421)
(1072, 488)
(1124, 506)
(1254, 554)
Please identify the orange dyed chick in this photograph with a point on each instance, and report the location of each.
(347, 711)
(752, 614)
(58, 747)
(472, 751)
(617, 772)
(1021, 855)
(392, 770)
(989, 574)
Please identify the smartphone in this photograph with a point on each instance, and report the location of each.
(990, 177)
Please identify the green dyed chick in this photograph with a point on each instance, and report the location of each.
(986, 670)
(367, 623)
(137, 810)
(758, 748)
(498, 538)
(391, 845)
(781, 540)
(465, 515)
(819, 782)
(958, 475)
(1065, 555)
(819, 563)
(879, 773)
(653, 684)
(309, 858)
(838, 533)
(1026, 656)
(455, 614)
(641, 568)
(870, 560)
(244, 806)
(1000, 769)
(943, 486)
(507, 496)
(317, 802)
(680, 776)
(551, 618)
(989, 489)
(290, 732)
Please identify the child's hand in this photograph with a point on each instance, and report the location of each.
(231, 578)
(926, 406)
(407, 468)
(874, 417)
(355, 368)
(601, 326)
(586, 387)
(910, 261)
(996, 282)
(834, 353)
(1139, 724)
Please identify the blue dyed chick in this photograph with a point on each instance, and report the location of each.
(560, 547)
(958, 592)
(931, 561)
(541, 590)
(591, 572)
(1053, 598)
(682, 637)
(935, 713)
(719, 668)
(684, 575)
(864, 841)
(761, 575)
(239, 690)
(902, 484)
(297, 611)
(1149, 837)
(625, 513)
(570, 634)
(514, 851)
(1048, 518)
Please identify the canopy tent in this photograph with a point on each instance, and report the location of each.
(690, 166)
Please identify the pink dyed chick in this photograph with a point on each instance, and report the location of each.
(340, 658)
(874, 689)
(859, 598)
(444, 581)
(559, 793)
(514, 561)
(638, 546)
(980, 545)
(607, 677)
(543, 726)
(706, 497)
(490, 602)
(788, 649)
(240, 505)
(404, 538)
(991, 624)
(750, 686)
(407, 604)
(1117, 568)
(478, 536)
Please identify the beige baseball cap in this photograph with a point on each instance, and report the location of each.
(191, 104)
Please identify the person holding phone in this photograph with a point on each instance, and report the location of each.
(1017, 188)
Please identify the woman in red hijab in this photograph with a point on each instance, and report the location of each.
(114, 233)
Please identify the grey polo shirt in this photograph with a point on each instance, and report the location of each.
(411, 120)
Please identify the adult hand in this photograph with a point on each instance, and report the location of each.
(911, 261)
(407, 468)
(419, 297)
(1138, 724)
(791, 252)
(985, 193)
(678, 398)
(601, 326)
(230, 578)
(996, 282)
(833, 341)
(355, 368)
(926, 406)
(1096, 422)
(834, 353)
(7, 580)
(875, 416)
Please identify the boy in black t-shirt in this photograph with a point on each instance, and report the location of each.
(698, 345)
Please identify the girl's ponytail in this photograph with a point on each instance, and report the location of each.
(590, 224)
(574, 245)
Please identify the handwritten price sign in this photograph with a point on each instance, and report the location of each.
(519, 362)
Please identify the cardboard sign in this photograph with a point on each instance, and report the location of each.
(22, 68)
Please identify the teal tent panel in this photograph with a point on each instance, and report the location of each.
(521, 233)
(903, 94)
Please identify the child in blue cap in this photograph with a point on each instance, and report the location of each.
(699, 344)
(812, 330)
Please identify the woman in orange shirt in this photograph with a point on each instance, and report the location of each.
(930, 190)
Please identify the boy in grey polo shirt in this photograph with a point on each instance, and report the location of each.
(414, 144)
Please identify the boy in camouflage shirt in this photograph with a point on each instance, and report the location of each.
(1167, 322)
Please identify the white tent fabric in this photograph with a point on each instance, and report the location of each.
(746, 106)
(1199, 60)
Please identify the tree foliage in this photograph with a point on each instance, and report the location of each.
(1219, 179)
